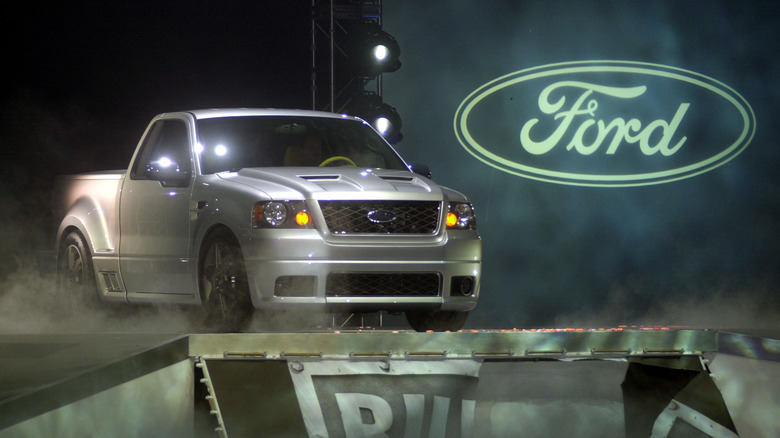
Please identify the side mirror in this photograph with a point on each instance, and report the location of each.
(167, 172)
(421, 169)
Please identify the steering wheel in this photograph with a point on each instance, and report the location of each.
(337, 158)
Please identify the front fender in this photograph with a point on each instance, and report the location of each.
(225, 204)
(232, 214)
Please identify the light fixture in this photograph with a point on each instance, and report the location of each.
(386, 121)
(460, 215)
(281, 214)
(374, 51)
(383, 117)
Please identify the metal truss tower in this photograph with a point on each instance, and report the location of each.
(335, 28)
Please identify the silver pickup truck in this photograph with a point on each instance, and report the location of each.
(239, 209)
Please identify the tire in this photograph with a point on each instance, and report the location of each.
(75, 274)
(223, 284)
(436, 320)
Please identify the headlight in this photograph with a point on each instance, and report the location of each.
(460, 216)
(274, 213)
(287, 214)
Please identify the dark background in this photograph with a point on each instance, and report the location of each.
(82, 79)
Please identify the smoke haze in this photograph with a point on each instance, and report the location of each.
(695, 251)
(699, 252)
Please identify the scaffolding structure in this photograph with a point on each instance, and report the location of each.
(333, 28)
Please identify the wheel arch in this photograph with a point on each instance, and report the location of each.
(86, 216)
(214, 229)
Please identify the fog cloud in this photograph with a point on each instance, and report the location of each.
(718, 305)
(700, 252)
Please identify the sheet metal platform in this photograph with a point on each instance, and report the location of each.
(622, 382)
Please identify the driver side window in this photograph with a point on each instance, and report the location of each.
(166, 145)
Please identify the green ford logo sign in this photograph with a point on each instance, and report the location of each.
(605, 123)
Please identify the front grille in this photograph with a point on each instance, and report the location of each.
(383, 285)
(384, 217)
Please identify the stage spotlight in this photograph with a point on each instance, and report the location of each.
(380, 53)
(384, 118)
(388, 123)
(375, 51)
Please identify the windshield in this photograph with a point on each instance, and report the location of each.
(232, 143)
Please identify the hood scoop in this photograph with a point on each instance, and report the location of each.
(316, 178)
(404, 179)
(363, 181)
(331, 182)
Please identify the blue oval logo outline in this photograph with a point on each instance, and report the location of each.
(477, 150)
(381, 216)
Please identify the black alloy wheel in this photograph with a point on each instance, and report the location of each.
(223, 283)
(75, 275)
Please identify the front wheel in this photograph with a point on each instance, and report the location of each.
(436, 320)
(223, 284)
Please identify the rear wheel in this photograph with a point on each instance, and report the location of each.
(75, 275)
(436, 320)
(223, 283)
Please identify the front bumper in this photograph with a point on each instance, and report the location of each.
(385, 272)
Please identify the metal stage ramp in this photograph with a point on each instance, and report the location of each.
(623, 382)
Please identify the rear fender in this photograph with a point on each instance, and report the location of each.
(86, 215)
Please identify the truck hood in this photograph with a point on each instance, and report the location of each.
(339, 183)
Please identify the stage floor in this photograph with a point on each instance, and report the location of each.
(43, 373)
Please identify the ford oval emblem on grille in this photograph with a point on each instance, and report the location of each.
(381, 216)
